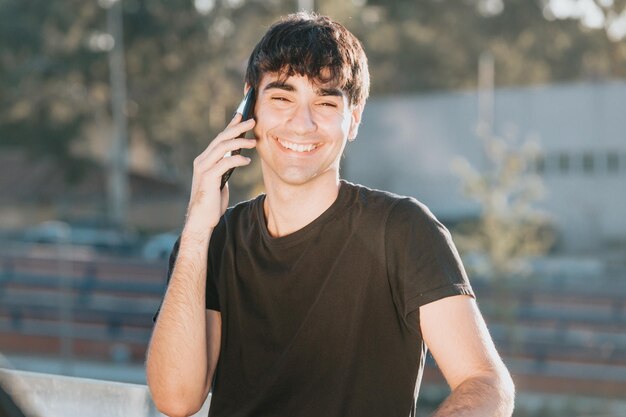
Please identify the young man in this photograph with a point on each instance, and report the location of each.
(318, 298)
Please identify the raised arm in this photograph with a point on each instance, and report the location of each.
(456, 335)
(185, 343)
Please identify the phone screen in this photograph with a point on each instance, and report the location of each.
(246, 108)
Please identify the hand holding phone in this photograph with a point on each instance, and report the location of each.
(246, 108)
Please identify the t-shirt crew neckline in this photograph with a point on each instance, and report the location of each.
(341, 202)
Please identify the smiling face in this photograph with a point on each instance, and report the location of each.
(301, 129)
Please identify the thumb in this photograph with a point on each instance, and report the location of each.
(225, 194)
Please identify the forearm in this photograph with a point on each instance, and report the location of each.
(177, 367)
(489, 395)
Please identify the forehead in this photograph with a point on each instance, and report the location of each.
(295, 83)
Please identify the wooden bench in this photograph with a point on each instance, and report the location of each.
(110, 304)
(562, 338)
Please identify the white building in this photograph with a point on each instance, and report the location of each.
(406, 145)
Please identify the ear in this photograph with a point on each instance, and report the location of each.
(355, 115)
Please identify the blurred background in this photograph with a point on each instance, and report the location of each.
(506, 117)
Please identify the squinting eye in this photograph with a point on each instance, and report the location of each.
(279, 99)
(329, 104)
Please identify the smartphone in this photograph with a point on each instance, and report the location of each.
(246, 108)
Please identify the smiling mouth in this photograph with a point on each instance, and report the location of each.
(297, 147)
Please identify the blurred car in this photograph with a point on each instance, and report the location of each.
(52, 231)
(92, 234)
(159, 246)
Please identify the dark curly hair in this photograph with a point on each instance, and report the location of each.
(314, 46)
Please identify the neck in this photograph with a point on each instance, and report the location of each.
(289, 208)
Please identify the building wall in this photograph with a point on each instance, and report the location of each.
(406, 145)
(148, 215)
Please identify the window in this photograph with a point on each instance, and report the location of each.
(587, 162)
(540, 164)
(612, 162)
(563, 163)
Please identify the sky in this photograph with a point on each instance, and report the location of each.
(590, 15)
(587, 11)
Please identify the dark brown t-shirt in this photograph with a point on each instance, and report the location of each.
(324, 322)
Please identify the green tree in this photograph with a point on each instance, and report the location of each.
(510, 228)
(185, 63)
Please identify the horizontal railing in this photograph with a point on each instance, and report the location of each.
(535, 324)
(47, 395)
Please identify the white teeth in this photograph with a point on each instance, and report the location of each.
(296, 147)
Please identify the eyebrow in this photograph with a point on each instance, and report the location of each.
(281, 85)
(330, 92)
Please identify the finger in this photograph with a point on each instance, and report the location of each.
(236, 119)
(225, 198)
(225, 164)
(221, 166)
(211, 178)
(231, 132)
(235, 130)
(229, 146)
(224, 149)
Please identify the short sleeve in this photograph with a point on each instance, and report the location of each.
(423, 263)
(214, 262)
(212, 301)
(170, 268)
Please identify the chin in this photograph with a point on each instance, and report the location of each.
(299, 177)
(296, 178)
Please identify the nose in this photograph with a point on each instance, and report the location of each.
(302, 121)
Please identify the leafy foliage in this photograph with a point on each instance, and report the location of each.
(185, 62)
(510, 229)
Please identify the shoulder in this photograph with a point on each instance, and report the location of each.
(410, 211)
(243, 210)
(243, 207)
(399, 208)
(235, 218)
(377, 199)
(411, 221)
